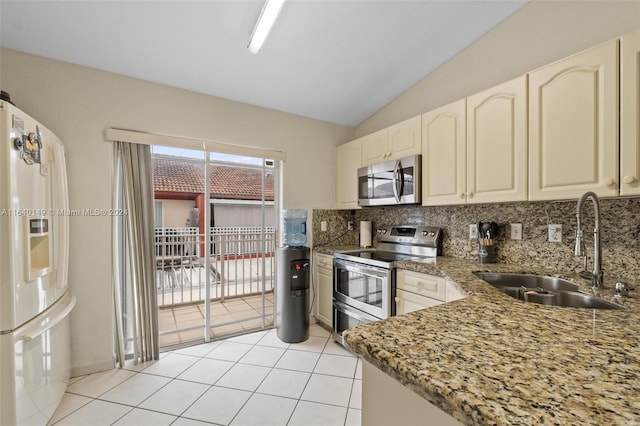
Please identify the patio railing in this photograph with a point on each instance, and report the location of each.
(241, 263)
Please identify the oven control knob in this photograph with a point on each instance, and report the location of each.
(432, 234)
(384, 231)
(424, 233)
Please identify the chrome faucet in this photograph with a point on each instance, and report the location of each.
(596, 276)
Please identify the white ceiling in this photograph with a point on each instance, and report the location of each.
(337, 61)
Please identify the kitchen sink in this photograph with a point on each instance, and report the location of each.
(544, 289)
(544, 282)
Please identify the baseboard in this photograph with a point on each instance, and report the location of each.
(96, 367)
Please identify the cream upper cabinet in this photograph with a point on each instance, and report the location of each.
(348, 160)
(405, 138)
(497, 143)
(573, 125)
(375, 147)
(397, 141)
(630, 114)
(444, 155)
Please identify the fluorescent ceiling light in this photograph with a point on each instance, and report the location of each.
(268, 16)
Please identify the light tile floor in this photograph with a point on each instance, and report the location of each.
(252, 379)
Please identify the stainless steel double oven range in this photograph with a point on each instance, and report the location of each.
(364, 281)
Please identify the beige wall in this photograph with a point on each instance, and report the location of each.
(175, 212)
(539, 33)
(79, 103)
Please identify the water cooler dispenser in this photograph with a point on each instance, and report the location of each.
(293, 279)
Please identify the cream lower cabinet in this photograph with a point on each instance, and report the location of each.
(573, 125)
(397, 141)
(385, 401)
(348, 160)
(415, 291)
(630, 114)
(323, 279)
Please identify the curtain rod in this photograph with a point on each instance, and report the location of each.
(144, 138)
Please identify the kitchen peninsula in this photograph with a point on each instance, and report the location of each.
(491, 359)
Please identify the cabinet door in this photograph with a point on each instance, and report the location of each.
(405, 138)
(375, 147)
(573, 125)
(444, 155)
(630, 111)
(348, 157)
(408, 302)
(497, 143)
(324, 285)
(325, 296)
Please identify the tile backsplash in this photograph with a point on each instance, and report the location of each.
(619, 222)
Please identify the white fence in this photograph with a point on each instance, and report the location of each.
(241, 263)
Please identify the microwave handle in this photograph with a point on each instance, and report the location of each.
(397, 172)
(395, 181)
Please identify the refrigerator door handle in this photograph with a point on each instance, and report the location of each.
(31, 333)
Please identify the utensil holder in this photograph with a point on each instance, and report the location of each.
(486, 252)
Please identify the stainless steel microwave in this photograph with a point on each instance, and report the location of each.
(391, 182)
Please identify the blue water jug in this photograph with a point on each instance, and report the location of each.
(295, 227)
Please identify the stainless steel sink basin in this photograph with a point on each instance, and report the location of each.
(544, 290)
(527, 280)
(581, 300)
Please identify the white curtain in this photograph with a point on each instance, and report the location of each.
(135, 291)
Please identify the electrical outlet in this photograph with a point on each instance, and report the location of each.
(473, 231)
(350, 225)
(516, 231)
(323, 225)
(555, 233)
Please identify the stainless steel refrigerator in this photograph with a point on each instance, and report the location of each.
(34, 244)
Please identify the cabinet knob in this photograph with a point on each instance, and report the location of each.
(609, 181)
(470, 194)
(462, 195)
(629, 179)
(397, 299)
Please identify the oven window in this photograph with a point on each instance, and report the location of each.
(363, 288)
(408, 178)
(343, 322)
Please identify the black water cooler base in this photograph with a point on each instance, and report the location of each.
(292, 294)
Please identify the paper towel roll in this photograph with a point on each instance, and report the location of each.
(365, 233)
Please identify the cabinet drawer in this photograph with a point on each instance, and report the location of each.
(324, 261)
(422, 284)
(408, 302)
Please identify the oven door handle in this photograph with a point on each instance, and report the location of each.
(370, 271)
(349, 311)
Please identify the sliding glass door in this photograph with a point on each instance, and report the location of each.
(215, 243)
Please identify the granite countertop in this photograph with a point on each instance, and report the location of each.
(492, 359)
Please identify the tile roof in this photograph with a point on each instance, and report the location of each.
(228, 181)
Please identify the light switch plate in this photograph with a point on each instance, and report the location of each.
(555, 233)
(516, 231)
(323, 225)
(473, 231)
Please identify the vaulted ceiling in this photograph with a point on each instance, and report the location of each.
(332, 60)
